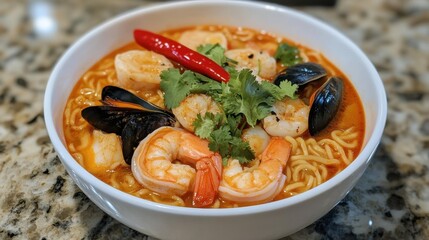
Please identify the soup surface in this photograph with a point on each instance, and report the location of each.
(312, 161)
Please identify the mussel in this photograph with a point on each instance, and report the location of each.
(118, 94)
(327, 98)
(128, 116)
(301, 73)
(324, 107)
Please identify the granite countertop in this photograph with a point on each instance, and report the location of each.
(38, 200)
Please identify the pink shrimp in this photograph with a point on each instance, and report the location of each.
(171, 161)
(260, 183)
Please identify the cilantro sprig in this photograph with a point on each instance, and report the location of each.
(244, 95)
(287, 54)
(213, 51)
(244, 100)
(216, 53)
(224, 135)
(176, 86)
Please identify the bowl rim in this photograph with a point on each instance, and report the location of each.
(363, 157)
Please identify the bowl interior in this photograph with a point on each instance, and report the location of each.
(278, 20)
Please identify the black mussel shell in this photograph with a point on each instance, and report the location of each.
(137, 128)
(133, 125)
(301, 73)
(120, 94)
(109, 119)
(325, 105)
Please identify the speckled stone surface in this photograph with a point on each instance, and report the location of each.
(38, 200)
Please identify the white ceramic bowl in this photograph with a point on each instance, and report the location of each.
(266, 221)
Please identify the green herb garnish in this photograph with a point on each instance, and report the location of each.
(176, 86)
(224, 135)
(213, 51)
(288, 55)
(244, 95)
(216, 53)
(244, 100)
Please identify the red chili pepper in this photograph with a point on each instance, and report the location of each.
(181, 54)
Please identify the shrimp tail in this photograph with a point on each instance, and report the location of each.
(207, 181)
(278, 149)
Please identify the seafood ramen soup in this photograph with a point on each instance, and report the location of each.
(214, 117)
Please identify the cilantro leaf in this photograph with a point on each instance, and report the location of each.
(177, 86)
(241, 150)
(205, 126)
(234, 123)
(219, 141)
(206, 85)
(217, 53)
(233, 73)
(288, 55)
(213, 51)
(245, 95)
(252, 92)
(224, 136)
(286, 89)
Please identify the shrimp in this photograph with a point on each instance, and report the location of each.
(261, 63)
(191, 106)
(165, 162)
(193, 39)
(107, 152)
(140, 69)
(290, 118)
(257, 138)
(257, 184)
